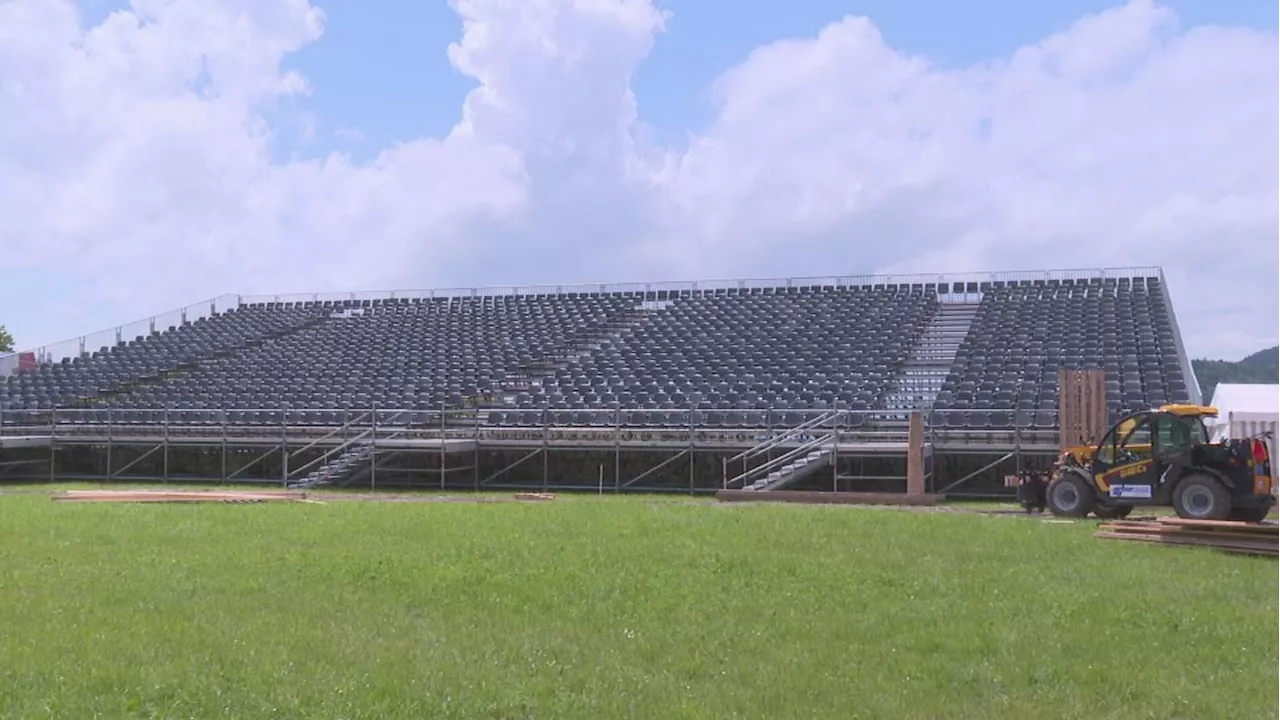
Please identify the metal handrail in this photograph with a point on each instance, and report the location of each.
(783, 459)
(327, 454)
(345, 426)
(788, 434)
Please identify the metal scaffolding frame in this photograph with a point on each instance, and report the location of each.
(452, 435)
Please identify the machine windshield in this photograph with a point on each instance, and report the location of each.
(1175, 434)
(1129, 441)
(1143, 437)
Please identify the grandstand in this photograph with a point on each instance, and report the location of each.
(469, 387)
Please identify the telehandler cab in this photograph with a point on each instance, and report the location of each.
(1159, 457)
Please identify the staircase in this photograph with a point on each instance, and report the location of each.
(340, 467)
(816, 450)
(797, 469)
(921, 377)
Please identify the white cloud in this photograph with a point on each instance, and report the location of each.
(351, 135)
(136, 157)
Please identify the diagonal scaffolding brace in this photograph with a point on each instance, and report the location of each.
(275, 449)
(135, 461)
(526, 457)
(977, 472)
(655, 468)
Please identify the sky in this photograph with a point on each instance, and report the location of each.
(155, 153)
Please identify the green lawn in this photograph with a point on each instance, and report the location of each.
(615, 608)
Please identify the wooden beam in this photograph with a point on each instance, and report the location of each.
(915, 454)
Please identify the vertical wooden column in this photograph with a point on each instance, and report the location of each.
(915, 454)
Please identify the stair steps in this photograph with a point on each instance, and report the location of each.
(795, 470)
(922, 375)
(338, 469)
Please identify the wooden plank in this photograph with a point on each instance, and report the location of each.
(1196, 541)
(126, 493)
(1252, 548)
(1171, 529)
(1205, 534)
(1259, 528)
(1082, 407)
(176, 496)
(1068, 404)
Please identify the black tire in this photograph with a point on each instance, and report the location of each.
(1112, 512)
(1250, 514)
(1070, 495)
(1201, 497)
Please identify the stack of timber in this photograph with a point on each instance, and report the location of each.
(174, 496)
(1234, 537)
(1082, 407)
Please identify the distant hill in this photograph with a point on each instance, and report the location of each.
(1260, 367)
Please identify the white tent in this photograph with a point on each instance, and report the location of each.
(1229, 397)
(1246, 411)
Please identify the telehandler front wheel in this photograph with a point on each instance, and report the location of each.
(1070, 495)
(1112, 512)
(1201, 497)
(1250, 514)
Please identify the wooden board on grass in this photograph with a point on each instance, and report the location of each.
(1224, 525)
(177, 496)
(1256, 548)
(1154, 530)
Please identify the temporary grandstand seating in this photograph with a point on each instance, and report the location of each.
(149, 359)
(810, 347)
(1006, 371)
(713, 356)
(410, 355)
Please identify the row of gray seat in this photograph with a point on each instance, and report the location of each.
(1021, 336)
(720, 351)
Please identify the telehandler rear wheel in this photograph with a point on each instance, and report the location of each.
(1070, 495)
(1201, 497)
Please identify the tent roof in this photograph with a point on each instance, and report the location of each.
(1232, 397)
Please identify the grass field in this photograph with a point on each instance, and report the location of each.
(616, 608)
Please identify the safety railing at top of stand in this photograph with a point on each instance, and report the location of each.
(110, 337)
(944, 282)
(949, 280)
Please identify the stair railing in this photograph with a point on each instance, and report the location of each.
(324, 457)
(768, 467)
(774, 441)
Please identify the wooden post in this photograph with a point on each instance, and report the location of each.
(915, 454)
